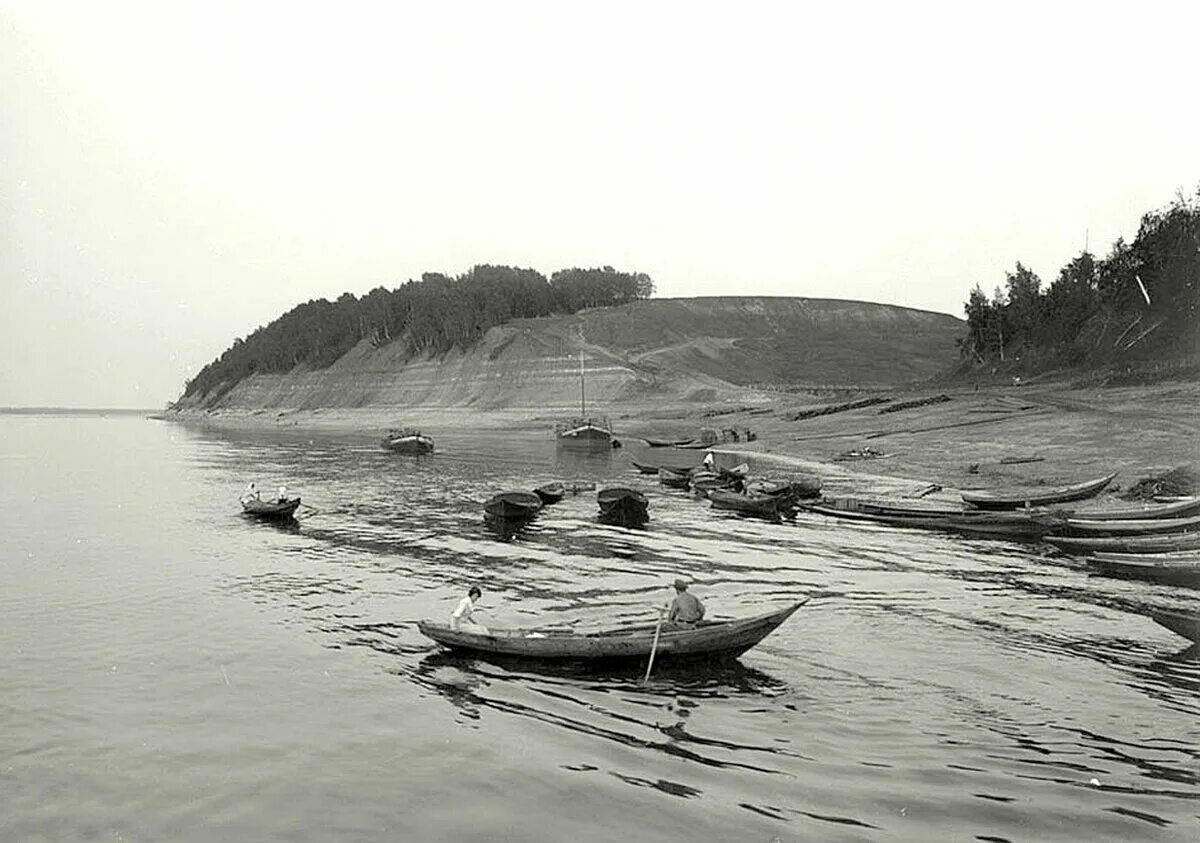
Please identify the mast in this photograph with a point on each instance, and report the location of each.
(582, 390)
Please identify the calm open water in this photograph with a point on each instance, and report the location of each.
(170, 671)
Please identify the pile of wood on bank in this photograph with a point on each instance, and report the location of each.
(837, 408)
(917, 402)
(1181, 481)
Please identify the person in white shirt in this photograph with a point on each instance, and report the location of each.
(463, 617)
(283, 494)
(251, 493)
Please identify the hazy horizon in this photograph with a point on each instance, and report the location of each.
(177, 175)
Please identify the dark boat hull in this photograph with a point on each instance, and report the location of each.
(551, 492)
(764, 506)
(1163, 570)
(1127, 544)
(413, 445)
(271, 510)
(512, 505)
(1034, 497)
(1181, 623)
(623, 507)
(715, 640)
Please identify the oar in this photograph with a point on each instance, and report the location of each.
(654, 646)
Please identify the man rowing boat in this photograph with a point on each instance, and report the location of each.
(686, 609)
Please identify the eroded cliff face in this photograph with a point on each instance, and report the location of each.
(657, 350)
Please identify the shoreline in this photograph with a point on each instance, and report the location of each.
(963, 438)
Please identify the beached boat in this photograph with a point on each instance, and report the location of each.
(1168, 569)
(276, 510)
(1127, 544)
(407, 441)
(675, 478)
(1036, 497)
(644, 468)
(667, 443)
(513, 505)
(709, 640)
(1186, 624)
(766, 506)
(1015, 526)
(796, 488)
(893, 506)
(1182, 508)
(623, 507)
(1138, 527)
(551, 492)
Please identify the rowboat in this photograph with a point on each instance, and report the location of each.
(666, 443)
(277, 510)
(1159, 568)
(1136, 527)
(513, 505)
(1127, 544)
(1182, 508)
(768, 506)
(623, 507)
(1181, 623)
(644, 468)
(1038, 497)
(675, 478)
(407, 441)
(551, 492)
(803, 487)
(713, 640)
(1015, 526)
(893, 506)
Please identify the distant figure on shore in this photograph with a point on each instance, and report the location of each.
(686, 609)
(251, 493)
(463, 617)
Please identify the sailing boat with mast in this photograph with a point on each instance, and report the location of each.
(585, 432)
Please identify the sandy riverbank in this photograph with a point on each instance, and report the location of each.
(969, 441)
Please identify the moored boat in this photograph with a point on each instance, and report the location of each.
(551, 492)
(1186, 624)
(585, 433)
(1166, 569)
(1127, 544)
(1181, 508)
(623, 507)
(709, 640)
(675, 478)
(644, 468)
(1137, 527)
(277, 510)
(1036, 497)
(766, 506)
(1015, 526)
(513, 505)
(407, 441)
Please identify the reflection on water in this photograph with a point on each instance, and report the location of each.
(210, 671)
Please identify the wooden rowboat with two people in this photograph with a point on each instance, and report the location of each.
(277, 510)
(708, 640)
(1036, 497)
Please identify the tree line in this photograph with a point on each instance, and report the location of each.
(430, 316)
(1139, 301)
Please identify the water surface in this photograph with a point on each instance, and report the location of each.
(172, 671)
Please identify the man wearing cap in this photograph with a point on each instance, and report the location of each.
(685, 610)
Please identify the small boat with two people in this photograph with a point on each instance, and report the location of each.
(708, 640)
(282, 508)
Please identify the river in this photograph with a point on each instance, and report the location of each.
(172, 671)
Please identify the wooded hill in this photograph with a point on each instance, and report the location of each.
(1135, 307)
(701, 349)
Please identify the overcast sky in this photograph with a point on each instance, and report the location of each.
(174, 175)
